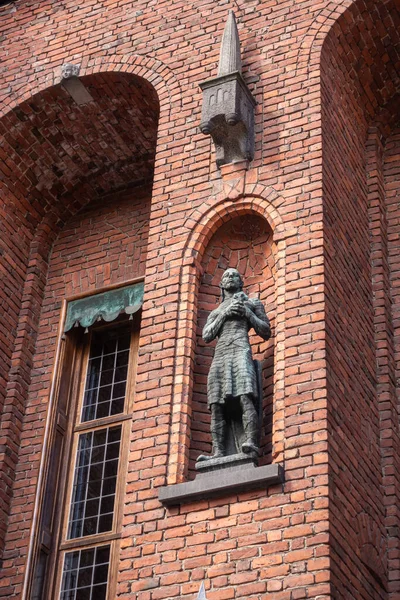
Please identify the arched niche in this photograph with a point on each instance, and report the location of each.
(359, 78)
(77, 204)
(244, 242)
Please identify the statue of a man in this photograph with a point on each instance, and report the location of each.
(232, 373)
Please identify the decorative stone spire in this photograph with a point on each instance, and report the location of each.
(229, 57)
(228, 106)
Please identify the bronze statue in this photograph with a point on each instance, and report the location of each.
(232, 378)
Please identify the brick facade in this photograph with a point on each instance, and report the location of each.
(125, 185)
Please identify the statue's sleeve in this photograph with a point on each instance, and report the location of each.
(259, 320)
(212, 327)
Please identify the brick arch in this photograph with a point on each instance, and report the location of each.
(38, 222)
(152, 70)
(257, 200)
(353, 34)
(312, 42)
(51, 123)
(335, 20)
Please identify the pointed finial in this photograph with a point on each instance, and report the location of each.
(202, 592)
(229, 58)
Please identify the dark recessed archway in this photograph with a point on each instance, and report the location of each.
(360, 82)
(60, 152)
(59, 149)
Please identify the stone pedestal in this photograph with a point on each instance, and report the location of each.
(227, 462)
(222, 480)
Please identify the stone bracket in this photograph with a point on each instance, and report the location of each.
(228, 105)
(73, 85)
(222, 482)
(228, 116)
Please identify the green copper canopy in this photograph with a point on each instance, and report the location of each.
(106, 306)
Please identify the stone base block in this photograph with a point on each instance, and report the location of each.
(222, 481)
(226, 462)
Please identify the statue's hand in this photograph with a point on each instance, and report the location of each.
(236, 309)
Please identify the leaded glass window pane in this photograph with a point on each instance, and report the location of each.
(85, 574)
(107, 374)
(93, 493)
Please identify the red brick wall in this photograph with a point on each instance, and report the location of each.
(103, 245)
(257, 544)
(385, 384)
(391, 174)
(15, 239)
(392, 189)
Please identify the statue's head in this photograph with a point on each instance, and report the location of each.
(231, 281)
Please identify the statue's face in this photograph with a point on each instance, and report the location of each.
(231, 280)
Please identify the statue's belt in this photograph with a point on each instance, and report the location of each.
(236, 341)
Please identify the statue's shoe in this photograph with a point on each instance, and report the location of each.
(248, 447)
(204, 457)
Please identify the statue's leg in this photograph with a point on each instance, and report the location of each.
(218, 430)
(218, 433)
(250, 424)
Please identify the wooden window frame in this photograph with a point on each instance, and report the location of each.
(69, 393)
